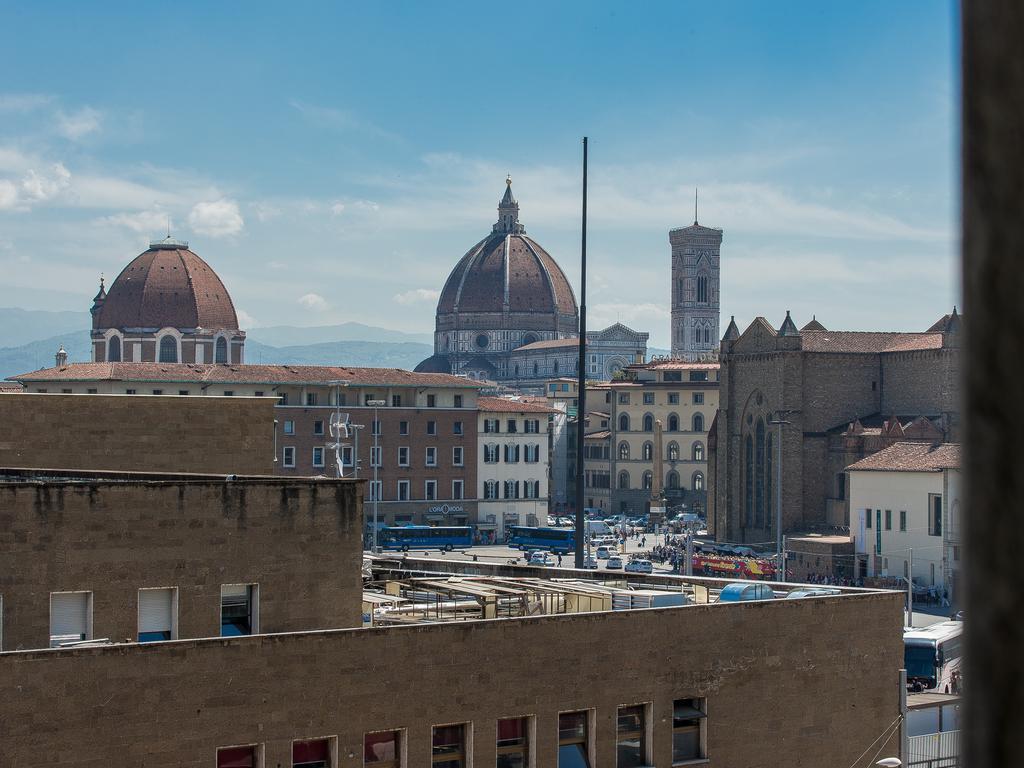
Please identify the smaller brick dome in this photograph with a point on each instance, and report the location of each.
(167, 286)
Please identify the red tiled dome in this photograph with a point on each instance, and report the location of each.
(167, 286)
(507, 272)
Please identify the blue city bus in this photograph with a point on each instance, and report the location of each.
(406, 537)
(561, 540)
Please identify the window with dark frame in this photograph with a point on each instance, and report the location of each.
(458, 401)
(431, 427)
(448, 746)
(573, 750)
(513, 743)
(688, 723)
(315, 753)
(237, 610)
(631, 739)
(382, 749)
(403, 427)
(237, 757)
(318, 427)
(431, 401)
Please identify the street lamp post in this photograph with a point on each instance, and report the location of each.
(376, 465)
(780, 571)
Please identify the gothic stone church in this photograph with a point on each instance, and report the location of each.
(841, 394)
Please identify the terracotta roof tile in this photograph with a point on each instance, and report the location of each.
(911, 457)
(244, 374)
(868, 341)
(508, 405)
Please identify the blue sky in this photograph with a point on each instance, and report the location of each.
(334, 161)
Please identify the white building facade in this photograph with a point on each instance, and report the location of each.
(512, 463)
(905, 508)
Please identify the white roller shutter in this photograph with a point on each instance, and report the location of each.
(69, 617)
(156, 610)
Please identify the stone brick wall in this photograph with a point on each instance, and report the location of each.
(300, 540)
(921, 382)
(768, 672)
(145, 433)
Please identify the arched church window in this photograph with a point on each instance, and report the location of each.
(648, 451)
(698, 422)
(698, 481)
(759, 475)
(672, 481)
(648, 423)
(698, 452)
(707, 335)
(673, 423)
(168, 350)
(648, 481)
(748, 478)
(220, 354)
(114, 349)
(624, 480)
(481, 340)
(624, 422)
(623, 450)
(673, 451)
(768, 478)
(702, 290)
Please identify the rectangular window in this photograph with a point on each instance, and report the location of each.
(182, 392)
(70, 617)
(127, 391)
(315, 753)
(431, 401)
(457, 487)
(492, 425)
(512, 454)
(457, 428)
(289, 427)
(673, 398)
(623, 398)
(457, 456)
(867, 524)
(375, 489)
(282, 399)
(158, 614)
(318, 456)
(431, 456)
(229, 393)
(934, 515)
(648, 398)
(288, 456)
(513, 745)
(689, 724)
(573, 744)
(257, 393)
(238, 757)
(431, 427)
(698, 398)
(403, 456)
(311, 398)
(511, 426)
(631, 737)
(458, 401)
(396, 401)
(318, 427)
(239, 609)
(531, 426)
(403, 427)
(449, 746)
(383, 749)
(430, 490)
(403, 490)
(490, 454)
(698, 375)
(375, 455)
(903, 520)
(888, 519)
(375, 427)
(155, 391)
(368, 397)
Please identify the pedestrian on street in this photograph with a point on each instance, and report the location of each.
(559, 559)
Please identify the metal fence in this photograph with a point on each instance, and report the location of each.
(935, 750)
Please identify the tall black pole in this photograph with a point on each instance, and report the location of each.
(581, 400)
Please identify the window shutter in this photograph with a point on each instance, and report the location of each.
(69, 617)
(155, 610)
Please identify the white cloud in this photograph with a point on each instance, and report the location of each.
(78, 124)
(34, 187)
(265, 211)
(337, 209)
(23, 102)
(149, 222)
(246, 320)
(216, 218)
(417, 296)
(8, 195)
(313, 301)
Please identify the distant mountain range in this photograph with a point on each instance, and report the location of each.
(32, 338)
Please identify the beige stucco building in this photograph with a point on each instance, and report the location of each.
(905, 505)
